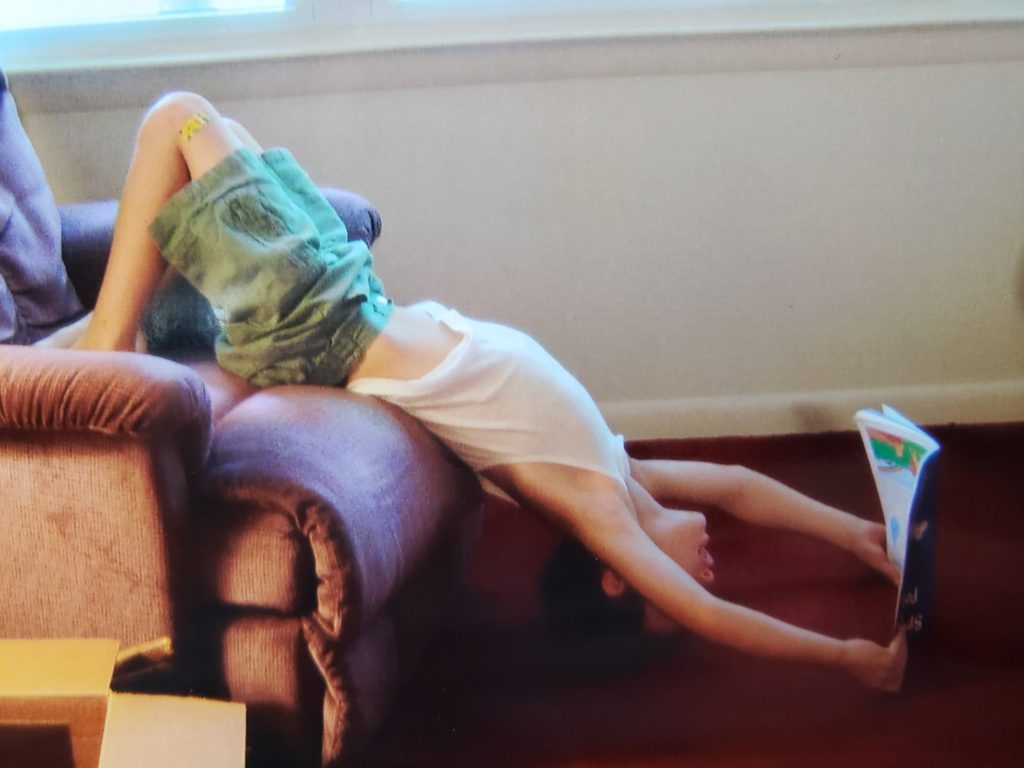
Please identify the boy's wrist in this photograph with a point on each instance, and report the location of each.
(851, 533)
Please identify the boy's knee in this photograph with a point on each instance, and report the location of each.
(171, 111)
(234, 126)
(242, 134)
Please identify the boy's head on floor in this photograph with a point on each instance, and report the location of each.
(596, 622)
(582, 598)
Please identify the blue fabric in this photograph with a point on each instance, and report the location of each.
(35, 293)
(298, 302)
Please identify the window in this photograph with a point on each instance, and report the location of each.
(60, 13)
(45, 35)
(48, 35)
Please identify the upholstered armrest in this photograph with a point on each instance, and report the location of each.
(366, 485)
(100, 459)
(111, 393)
(322, 508)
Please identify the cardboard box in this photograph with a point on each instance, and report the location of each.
(57, 711)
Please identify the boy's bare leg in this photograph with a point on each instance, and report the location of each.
(165, 159)
(243, 135)
(66, 337)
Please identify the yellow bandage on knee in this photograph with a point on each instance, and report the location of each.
(193, 125)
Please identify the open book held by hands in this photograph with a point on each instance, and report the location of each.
(904, 464)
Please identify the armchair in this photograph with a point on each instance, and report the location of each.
(296, 543)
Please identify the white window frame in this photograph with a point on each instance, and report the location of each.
(78, 14)
(339, 26)
(175, 39)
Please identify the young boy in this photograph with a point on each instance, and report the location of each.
(299, 303)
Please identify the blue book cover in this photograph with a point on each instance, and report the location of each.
(904, 462)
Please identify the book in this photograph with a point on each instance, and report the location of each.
(904, 462)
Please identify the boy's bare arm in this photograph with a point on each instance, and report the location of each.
(759, 499)
(660, 580)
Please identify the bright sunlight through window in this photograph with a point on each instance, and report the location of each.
(59, 35)
(55, 13)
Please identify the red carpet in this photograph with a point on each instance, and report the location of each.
(493, 693)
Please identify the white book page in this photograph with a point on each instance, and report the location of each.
(896, 449)
(896, 498)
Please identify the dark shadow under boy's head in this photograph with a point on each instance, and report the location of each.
(597, 624)
(577, 600)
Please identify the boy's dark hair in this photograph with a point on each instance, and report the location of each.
(575, 604)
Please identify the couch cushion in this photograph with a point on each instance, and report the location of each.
(322, 500)
(35, 293)
(261, 659)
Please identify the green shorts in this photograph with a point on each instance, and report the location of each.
(296, 300)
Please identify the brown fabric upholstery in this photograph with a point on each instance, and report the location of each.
(106, 515)
(318, 539)
(257, 558)
(364, 677)
(346, 514)
(262, 660)
(225, 389)
(98, 453)
(376, 493)
(113, 393)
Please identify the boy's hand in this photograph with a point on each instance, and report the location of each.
(875, 666)
(868, 543)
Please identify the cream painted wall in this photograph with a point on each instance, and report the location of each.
(711, 250)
